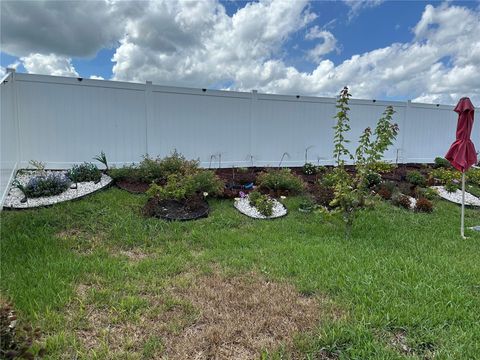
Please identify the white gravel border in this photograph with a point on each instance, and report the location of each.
(14, 196)
(456, 197)
(243, 205)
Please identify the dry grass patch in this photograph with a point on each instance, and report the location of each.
(203, 317)
(240, 317)
(81, 241)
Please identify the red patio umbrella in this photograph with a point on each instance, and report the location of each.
(462, 154)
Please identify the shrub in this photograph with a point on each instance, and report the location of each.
(416, 178)
(125, 172)
(428, 193)
(307, 203)
(176, 163)
(445, 176)
(176, 188)
(424, 205)
(385, 193)
(381, 167)
(261, 202)
(401, 201)
(473, 176)
(155, 169)
(281, 179)
(372, 179)
(451, 187)
(309, 169)
(149, 170)
(328, 179)
(179, 187)
(206, 181)
(441, 162)
(84, 172)
(45, 185)
(102, 158)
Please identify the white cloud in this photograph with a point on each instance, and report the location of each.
(96, 77)
(199, 44)
(356, 6)
(48, 64)
(72, 28)
(327, 45)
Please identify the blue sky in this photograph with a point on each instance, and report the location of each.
(266, 45)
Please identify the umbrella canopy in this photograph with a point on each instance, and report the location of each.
(462, 153)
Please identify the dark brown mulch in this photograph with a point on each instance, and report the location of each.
(133, 186)
(189, 209)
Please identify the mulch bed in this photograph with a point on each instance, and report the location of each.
(133, 186)
(235, 181)
(190, 209)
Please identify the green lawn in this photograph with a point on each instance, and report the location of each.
(398, 273)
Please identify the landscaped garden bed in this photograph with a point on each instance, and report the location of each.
(16, 198)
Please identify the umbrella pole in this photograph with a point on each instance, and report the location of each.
(462, 229)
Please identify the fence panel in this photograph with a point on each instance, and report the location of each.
(8, 135)
(63, 121)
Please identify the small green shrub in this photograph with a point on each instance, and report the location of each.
(309, 169)
(102, 158)
(451, 187)
(206, 181)
(179, 187)
(441, 162)
(416, 178)
(307, 204)
(372, 179)
(281, 179)
(473, 176)
(155, 169)
(124, 172)
(328, 179)
(381, 167)
(176, 188)
(401, 201)
(428, 193)
(176, 163)
(45, 185)
(261, 202)
(445, 176)
(84, 172)
(424, 205)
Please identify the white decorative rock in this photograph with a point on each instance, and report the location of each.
(15, 196)
(243, 205)
(456, 196)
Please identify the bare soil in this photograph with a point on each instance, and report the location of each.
(181, 210)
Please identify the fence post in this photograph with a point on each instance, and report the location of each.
(148, 111)
(253, 118)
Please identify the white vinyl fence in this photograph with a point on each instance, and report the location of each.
(62, 121)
